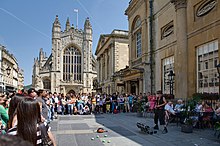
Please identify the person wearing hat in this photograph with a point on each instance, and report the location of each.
(160, 111)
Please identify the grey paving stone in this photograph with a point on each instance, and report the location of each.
(65, 127)
(79, 126)
(66, 140)
(64, 118)
(85, 140)
(53, 125)
(122, 131)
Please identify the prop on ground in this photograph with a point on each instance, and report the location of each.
(101, 130)
(145, 128)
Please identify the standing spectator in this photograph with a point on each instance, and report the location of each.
(152, 100)
(127, 106)
(104, 103)
(51, 99)
(56, 100)
(12, 110)
(32, 93)
(3, 112)
(108, 104)
(114, 102)
(160, 111)
(29, 119)
(121, 103)
(10, 140)
(130, 100)
(41, 98)
(93, 103)
(101, 105)
(63, 104)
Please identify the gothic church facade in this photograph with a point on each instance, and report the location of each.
(71, 67)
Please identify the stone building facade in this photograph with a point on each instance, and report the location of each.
(71, 66)
(9, 70)
(112, 56)
(20, 79)
(178, 38)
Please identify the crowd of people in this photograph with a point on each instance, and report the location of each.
(40, 107)
(22, 120)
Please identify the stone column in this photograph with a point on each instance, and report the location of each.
(137, 87)
(141, 85)
(129, 86)
(101, 67)
(106, 64)
(181, 57)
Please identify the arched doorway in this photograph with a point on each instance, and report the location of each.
(71, 91)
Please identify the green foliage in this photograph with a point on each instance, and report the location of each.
(217, 126)
(205, 96)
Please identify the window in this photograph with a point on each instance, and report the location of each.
(207, 59)
(136, 30)
(138, 44)
(168, 65)
(72, 64)
(47, 84)
(137, 23)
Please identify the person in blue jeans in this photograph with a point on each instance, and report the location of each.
(130, 100)
(114, 101)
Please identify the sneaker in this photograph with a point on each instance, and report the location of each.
(165, 130)
(156, 127)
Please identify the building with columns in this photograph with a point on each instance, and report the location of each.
(112, 56)
(71, 66)
(9, 70)
(174, 45)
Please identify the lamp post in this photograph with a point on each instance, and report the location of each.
(8, 71)
(218, 69)
(171, 77)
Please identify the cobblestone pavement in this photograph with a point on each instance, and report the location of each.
(80, 130)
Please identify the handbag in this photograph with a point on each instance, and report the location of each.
(46, 141)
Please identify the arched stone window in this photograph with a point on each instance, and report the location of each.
(136, 31)
(47, 84)
(72, 62)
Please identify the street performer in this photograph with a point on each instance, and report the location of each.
(160, 111)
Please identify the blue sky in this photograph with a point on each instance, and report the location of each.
(26, 25)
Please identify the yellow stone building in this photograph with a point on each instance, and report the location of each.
(112, 56)
(175, 45)
(11, 76)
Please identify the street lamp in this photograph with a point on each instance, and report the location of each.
(8, 71)
(171, 78)
(218, 69)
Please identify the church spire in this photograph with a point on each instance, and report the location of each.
(67, 24)
(87, 23)
(56, 28)
(56, 22)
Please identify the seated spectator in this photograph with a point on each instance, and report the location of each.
(179, 105)
(168, 107)
(198, 107)
(86, 110)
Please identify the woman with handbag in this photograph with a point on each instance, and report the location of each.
(29, 126)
